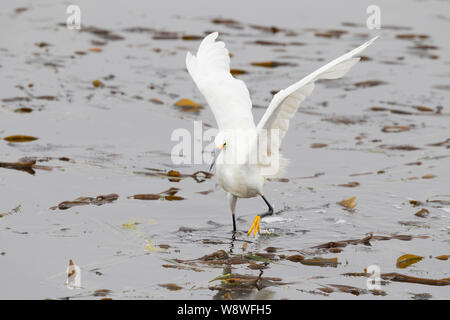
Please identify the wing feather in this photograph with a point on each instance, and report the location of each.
(285, 103)
(227, 96)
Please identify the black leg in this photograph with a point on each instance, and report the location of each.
(234, 223)
(268, 213)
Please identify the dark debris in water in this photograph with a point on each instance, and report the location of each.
(171, 286)
(350, 289)
(366, 240)
(102, 33)
(351, 184)
(402, 147)
(169, 195)
(28, 164)
(421, 296)
(13, 211)
(101, 292)
(398, 277)
(369, 83)
(21, 166)
(220, 258)
(176, 176)
(273, 64)
(245, 282)
(316, 261)
(345, 120)
(19, 138)
(98, 201)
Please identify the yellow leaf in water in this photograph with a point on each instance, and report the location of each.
(187, 103)
(429, 176)
(97, 84)
(348, 203)
(407, 259)
(150, 247)
(20, 138)
(129, 226)
(443, 257)
(173, 173)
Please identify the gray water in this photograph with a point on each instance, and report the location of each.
(113, 134)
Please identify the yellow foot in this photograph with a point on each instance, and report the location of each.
(255, 226)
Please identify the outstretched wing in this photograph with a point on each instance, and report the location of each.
(285, 103)
(228, 97)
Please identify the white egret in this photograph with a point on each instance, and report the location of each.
(230, 103)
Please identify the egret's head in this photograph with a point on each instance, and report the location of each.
(220, 141)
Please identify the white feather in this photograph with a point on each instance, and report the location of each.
(228, 97)
(285, 103)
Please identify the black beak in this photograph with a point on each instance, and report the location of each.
(216, 154)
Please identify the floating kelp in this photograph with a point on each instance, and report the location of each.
(403, 147)
(237, 72)
(423, 213)
(406, 260)
(187, 105)
(389, 129)
(445, 143)
(349, 203)
(19, 138)
(411, 36)
(366, 240)
(21, 166)
(101, 292)
(350, 184)
(269, 29)
(330, 33)
(13, 211)
(98, 201)
(165, 35)
(235, 281)
(231, 23)
(397, 277)
(316, 261)
(345, 120)
(176, 176)
(102, 33)
(369, 83)
(272, 64)
(171, 286)
(169, 195)
(318, 145)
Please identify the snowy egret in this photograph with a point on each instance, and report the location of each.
(230, 103)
